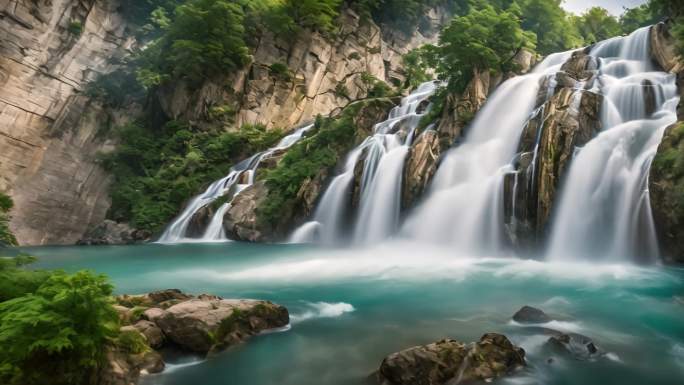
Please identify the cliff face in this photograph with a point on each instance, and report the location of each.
(294, 78)
(666, 179)
(49, 50)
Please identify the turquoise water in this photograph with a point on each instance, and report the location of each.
(350, 308)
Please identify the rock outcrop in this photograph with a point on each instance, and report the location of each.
(567, 116)
(112, 233)
(666, 184)
(324, 73)
(48, 128)
(666, 178)
(531, 315)
(170, 318)
(449, 361)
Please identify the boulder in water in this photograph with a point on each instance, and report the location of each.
(531, 315)
(448, 360)
(211, 323)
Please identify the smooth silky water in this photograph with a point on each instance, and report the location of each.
(350, 308)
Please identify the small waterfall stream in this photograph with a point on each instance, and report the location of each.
(240, 177)
(383, 156)
(604, 209)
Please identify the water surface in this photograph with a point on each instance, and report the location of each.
(350, 308)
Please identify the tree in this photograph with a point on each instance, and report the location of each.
(484, 39)
(550, 22)
(597, 24)
(637, 17)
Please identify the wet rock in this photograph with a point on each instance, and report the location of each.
(152, 333)
(241, 220)
(531, 315)
(162, 299)
(449, 361)
(421, 165)
(665, 180)
(663, 48)
(576, 345)
(563, 121)
(205, 324)
(123, 368)
(112, 233)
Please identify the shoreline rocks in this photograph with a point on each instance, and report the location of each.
(448, 360)
(202, 324)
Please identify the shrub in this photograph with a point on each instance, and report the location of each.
(56, 334)
(75, 28)
(6, 236)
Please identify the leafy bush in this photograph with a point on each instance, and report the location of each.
(75, 28)
(484, 39)
(56, 334)
(156, 171)
(6, 236)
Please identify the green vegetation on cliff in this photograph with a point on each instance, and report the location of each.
(330, 139)
(156, 171)
(53, 325)
(6, 236)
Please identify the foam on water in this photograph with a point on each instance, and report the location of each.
(322, 310)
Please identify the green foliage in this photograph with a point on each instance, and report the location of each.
(341, 91)
(550, 22)
(328, 142)
(375, 88)
(156, 171)
(131, 341)
(117, 88)
(55, 334)
(484, 39)
(15, 280)
(205, 38)
(597, 24)
(312, 14)
(280, 70)
(637, 17)
(6, 236)
(75, 28)
(416, 68)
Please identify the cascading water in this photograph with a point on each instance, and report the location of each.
(465, 203)
(383, 162)
(240, 177)
(604, 209)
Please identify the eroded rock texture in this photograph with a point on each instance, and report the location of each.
(452, 362)
(567, 116)
(48, 129)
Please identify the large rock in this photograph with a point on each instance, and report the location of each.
(207, 323)
(449, 361)
(421, 164)
(663, 48)
(49, 131)
(666, 184)
(112, 233)
(531, 315)
(566, 119)
(123, 368)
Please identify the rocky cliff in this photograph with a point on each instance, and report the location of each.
(50, 132)
(49, 50)
(666, 179)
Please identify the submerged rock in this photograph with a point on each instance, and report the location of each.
(531, 315)
(449, 361)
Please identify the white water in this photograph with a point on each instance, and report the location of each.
(240, 177)
(604, 209)
(383, 159)
(465, 204)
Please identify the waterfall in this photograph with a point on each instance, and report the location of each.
(240, 177)
(604, 210)
(383, 156)
(464, 207)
